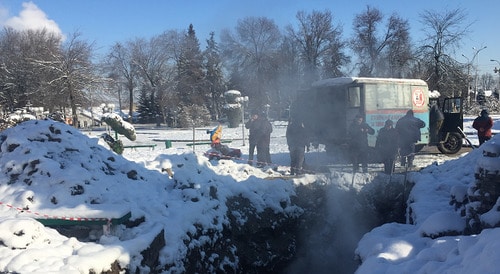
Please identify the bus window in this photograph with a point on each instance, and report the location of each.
(456, 105)
(452, 105)
(354, 95)
(388, 96)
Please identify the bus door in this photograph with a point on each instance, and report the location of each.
(453, 114)
(354, 104)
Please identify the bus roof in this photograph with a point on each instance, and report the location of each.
(352, 80)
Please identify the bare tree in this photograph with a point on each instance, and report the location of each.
(487, 81)
(379, 50)
(289, 75)
(320, 44)
(252, 50)
(76, 71)
(72, 71)
(399, 51)
(122, 69)
(171, 43)
(444, 31)
(21, 78)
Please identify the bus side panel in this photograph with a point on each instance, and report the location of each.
(392, 101)
(420, 105)
(323, 112)
(331, 112)
(376, 119)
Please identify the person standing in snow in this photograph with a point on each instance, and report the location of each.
(251, 126)
(408, 128)
(436, 119)
(483, 124)
(260, 132)
(387, 145)
(297, 140)
(358, 142)
(264, 143)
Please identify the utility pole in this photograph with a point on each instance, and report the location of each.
(476, 78)
(468, 80)
(242, 100)
(497, 70)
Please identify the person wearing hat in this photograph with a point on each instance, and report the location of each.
(408, 128)
(483, 124)
(387, 145)
(358, 142)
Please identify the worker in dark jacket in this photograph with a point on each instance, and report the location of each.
(260, 134)
(358, 142)
(436, 119)
(387, 145)
(297, 140)
(483, 124)
(408, 128)
(252, 142)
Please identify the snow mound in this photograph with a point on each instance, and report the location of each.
(51, 170)
(442, 223)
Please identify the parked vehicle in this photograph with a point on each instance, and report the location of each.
(330, 105)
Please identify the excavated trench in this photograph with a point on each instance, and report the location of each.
(336, 218)
(322, 240)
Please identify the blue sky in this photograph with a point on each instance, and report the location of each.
(108, 21)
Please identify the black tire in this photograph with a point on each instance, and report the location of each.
(452, 145)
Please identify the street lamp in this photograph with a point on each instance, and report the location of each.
(477, 65)
(497, 70)
(242, 100)
(468, 79)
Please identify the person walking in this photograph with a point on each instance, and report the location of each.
(297, 140)
(483, 124)
(387, 145)
(358, 142)
(252, 143)
(408, 128)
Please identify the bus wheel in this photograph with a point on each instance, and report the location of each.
(452, 145)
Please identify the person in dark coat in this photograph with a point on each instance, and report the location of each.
(387, 145)
(358, 142)
(408, 128)
(483, 124)
(436, 119)
(297, 140)
(260, 133)
(251, 126)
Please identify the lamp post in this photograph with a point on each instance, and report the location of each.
(497, 70)
(242, 100)
(468, 79)
(477, 65)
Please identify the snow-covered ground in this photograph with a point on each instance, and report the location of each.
(39, 170)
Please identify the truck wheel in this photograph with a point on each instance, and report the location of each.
(452, 145)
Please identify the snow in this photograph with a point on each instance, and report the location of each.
(39, 169)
